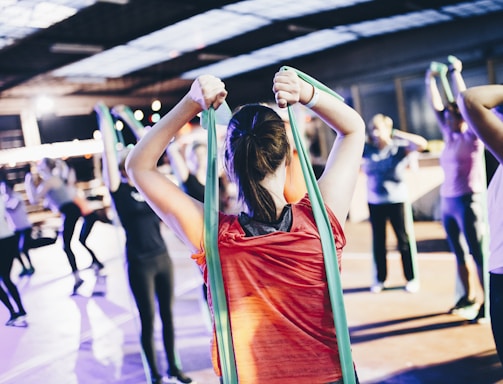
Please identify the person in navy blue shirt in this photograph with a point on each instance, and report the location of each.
(385, 162)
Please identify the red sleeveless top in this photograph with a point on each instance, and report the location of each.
(280, 313)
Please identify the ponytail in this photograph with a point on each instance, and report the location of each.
(256, 145)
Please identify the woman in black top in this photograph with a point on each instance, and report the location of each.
(150, 269)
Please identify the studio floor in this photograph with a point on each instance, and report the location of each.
(92, 337)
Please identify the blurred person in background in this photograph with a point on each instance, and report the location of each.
(462, 160)
(61, 198)
(149, 265)
(17, 215)
(386, 157)
(10, 251)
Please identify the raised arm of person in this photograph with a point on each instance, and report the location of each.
(416, 142)
(182, 213)
(177, 162)
(457, 80)
(338, 180)
(124, 113)
(476, 106)
(434, 97)
(111, 174)
(31, 189)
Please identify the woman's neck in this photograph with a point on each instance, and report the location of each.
(275, 185)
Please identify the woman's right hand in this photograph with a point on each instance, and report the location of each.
(207, 91)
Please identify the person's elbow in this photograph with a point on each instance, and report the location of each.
(422, 145)
(359, 132)
(463, 99)
(355, 127)
(131, 164)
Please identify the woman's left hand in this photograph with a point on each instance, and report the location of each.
(289, 89)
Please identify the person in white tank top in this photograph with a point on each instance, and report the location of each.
(482, 108)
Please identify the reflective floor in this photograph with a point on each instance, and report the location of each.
(92, 337)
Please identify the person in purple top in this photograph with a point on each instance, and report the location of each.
(462, 189)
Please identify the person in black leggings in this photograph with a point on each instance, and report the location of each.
(8, 245)
(149, 266)
(60, 197)
(19, 219)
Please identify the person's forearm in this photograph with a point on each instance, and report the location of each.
(149, 149)
(433, 94)
(177, 162)
(476, 106)
(484, 96)
(337, 114)
(30, 189)
(417, 142)
(458, 82)
(111, 176)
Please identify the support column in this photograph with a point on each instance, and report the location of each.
(29, 126)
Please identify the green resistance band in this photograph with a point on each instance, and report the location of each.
(105, 119)
(442, 70)
(125, 113)
(217, 289)
(327, 241)
(409, 222)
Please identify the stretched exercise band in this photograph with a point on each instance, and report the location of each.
(217, 289)
(442, 70)
(327, 240)
(125, 113)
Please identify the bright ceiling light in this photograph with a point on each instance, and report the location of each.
(138, 115)
(156, 105)
(44, 104)
(22, 18)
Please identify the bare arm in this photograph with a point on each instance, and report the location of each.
(416, 142)
(457, 79)
(434, 97)
(476, 105)
(30, 188)
(177, 162)
(338, 181)
(111, 175)
(182, 213)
